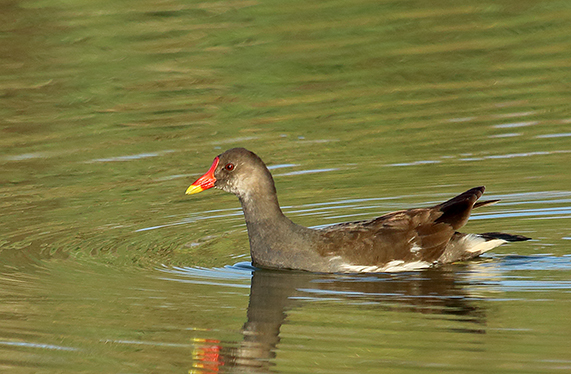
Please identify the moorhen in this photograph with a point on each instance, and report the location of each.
(399, 241)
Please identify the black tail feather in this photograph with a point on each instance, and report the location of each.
(504, 236)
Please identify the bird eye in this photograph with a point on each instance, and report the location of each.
(229, 167)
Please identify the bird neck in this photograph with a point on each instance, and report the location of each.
(262, 206)
(274, 239)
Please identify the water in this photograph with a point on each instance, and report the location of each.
(109, 111)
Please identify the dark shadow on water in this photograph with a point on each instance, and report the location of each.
(274, 293)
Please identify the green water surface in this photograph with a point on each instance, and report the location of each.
(109, 110)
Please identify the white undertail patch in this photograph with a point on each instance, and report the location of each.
(476, 244)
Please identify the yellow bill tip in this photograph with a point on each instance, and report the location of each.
(194, 189)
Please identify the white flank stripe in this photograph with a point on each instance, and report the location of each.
(415, 248)
(391, 267)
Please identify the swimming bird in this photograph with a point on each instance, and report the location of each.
(404, 240)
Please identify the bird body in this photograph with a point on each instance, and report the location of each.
(399, 241)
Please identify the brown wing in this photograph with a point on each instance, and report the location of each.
(408, 235)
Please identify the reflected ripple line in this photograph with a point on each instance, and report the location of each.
(39, 345)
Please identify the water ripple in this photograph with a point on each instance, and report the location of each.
(227, 276)
(561, 135)
(555, 212)
(536, 263)
(130, 157)
(38, 345)
(311, 171)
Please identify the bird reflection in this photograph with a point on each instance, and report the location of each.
(273, 293)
